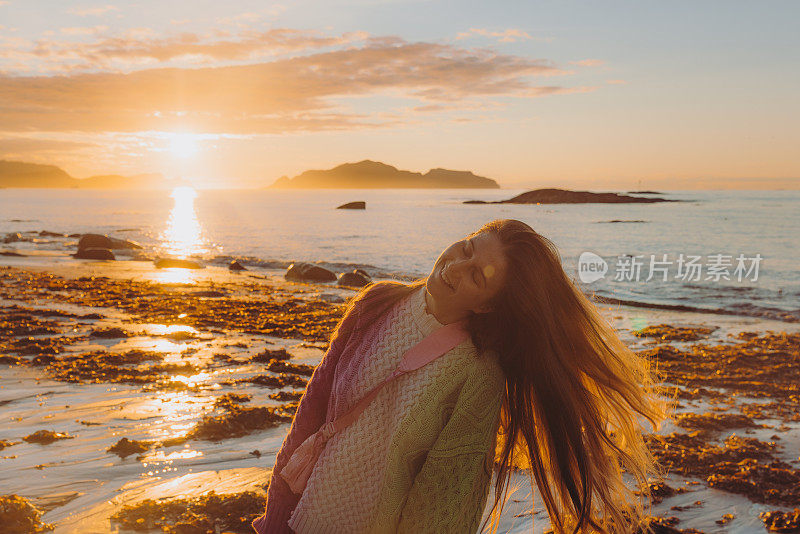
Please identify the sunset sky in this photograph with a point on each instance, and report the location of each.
(596, 95)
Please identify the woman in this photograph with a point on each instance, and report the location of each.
(540, 365)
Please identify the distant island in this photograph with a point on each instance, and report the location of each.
(21, 174)
(565, 196)
(369, 174)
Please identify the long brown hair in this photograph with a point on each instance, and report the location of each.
(574, 390)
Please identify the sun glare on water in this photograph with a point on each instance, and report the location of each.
(183, 236)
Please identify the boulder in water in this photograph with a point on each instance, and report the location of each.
(94, 254)
(309, 272)
(357, 205)
(166, 263)
(103, 241)
(356, 278)
(13, 238)
(236, 266)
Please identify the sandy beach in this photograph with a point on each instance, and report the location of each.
(191, 377)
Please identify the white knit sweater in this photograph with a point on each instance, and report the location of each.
(347, 484)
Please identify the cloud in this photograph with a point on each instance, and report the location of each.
(91, 11)
(617, 82)
(82, 30)
(506, 36)
(286, 95)
(140, 48)
(588, 62)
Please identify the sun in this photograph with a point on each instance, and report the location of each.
(183, 146)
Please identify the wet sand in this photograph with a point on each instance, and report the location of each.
(132, 383)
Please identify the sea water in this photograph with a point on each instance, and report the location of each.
(402, 232)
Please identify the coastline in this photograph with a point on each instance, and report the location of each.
(209, 326)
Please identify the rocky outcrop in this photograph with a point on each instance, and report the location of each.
(565, 196)
(357, 205)
(94, 254)
(369, 174)
(309, 272)
(236, 266)
(14, 237)
(103, 241)
(356, 278)
(23, 174)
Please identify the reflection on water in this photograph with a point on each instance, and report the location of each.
(183, 236)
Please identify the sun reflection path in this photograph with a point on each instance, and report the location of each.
(183, 236)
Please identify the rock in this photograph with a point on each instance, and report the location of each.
(236, 266)
(210, 293)
(780, 521)
(125, 447)
(13, 238)
(11, 253)
(565, 196)
(45, 233)
(94, 254)
(103, 241)
(306, 271)
(45, 437)
(357, 205)
(17, 515)
(109, 333)
(356, 278)
(166, 263)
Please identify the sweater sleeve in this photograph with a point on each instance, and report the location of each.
(309, 417)
(450, 491)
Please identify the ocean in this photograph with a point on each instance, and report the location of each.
(401, 233)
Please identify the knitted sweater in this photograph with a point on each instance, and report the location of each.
(418, 459)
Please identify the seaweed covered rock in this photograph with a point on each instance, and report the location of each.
(235, 421)
(18, 516)
(46, 437)
(208, 514)
(778, 521)
(666, 332)
(125, 447)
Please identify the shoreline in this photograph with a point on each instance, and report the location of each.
(213, 332)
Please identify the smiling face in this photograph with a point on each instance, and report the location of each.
(467, 275)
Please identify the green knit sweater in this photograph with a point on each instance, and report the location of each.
(438, 461)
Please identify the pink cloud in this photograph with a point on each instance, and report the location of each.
(140, 47)
(288, 94)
